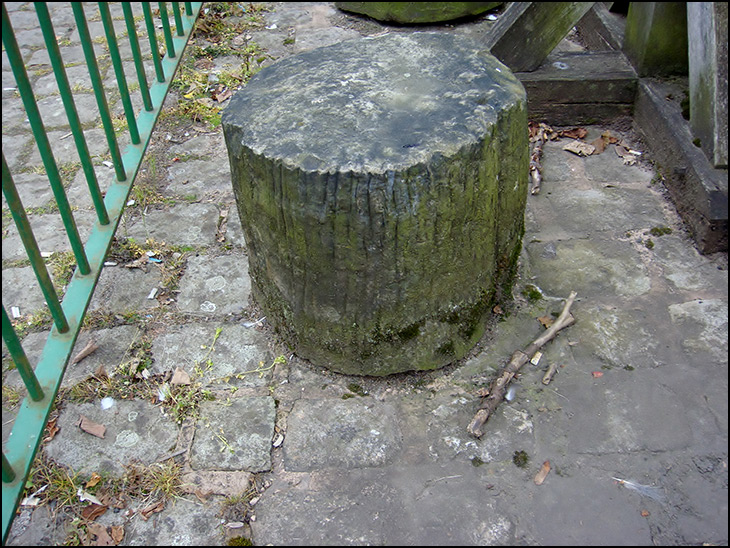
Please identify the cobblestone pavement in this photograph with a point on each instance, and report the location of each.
(634, 425)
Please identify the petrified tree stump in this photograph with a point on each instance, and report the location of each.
(381, 185)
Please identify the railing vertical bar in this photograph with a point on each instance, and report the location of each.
(137, 55)
(31, 248)
(178, 18)
(73, 118)
(111, 39)
(21, 360)
(153, 41)
(166, 30)
(44, 147)
(188, 8)
(27, 433)
(98, 86)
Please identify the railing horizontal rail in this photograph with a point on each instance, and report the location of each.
(176, 21)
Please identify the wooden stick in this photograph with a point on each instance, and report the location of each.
(548, 376)
(519, 358)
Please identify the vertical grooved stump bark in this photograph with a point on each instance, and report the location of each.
(381, 185)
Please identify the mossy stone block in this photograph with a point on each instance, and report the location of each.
(381, 187)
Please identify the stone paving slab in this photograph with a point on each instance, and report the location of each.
(340, 434)
(198, 179)
(234, 434)
(135, 431)
(21, 289)
(184, 224)
(49, 232)
(113, 349)
(122, 289)
(215, 286)
(238, 357)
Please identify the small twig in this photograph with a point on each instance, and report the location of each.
(519, 358)
(548, 376)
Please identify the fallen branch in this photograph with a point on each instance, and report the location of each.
(498, 387)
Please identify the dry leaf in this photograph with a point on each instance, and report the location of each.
(100, 372)
(140, 263)
(546, 321)
(93, 480)
(599, 144)
(580, 148)
(90, 348)
(180, 377)
(93, 511)
(51, 429)
(158, 506)
(202, 496)
(97, 535)
(542, 474)
(221, 95)
(610, 139)
(91, 427)
(497, 309)
(574, 133)
(117, 533)
(645, 513)
(597, 374)
(625, 154)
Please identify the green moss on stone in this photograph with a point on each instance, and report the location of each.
(532, 293)
(521, 459)
(356, 389)
(660, 230)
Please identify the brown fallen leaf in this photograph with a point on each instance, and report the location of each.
(97, 535)
(222, 95)
(202, 495)
(574, 133)
(100, 373)
(599, 144)
(51, 429)
(542, 474)
(580, 148)
(180, 377)
(140, 263)
(91, 427)
(625, 154)
(645, 513)
(90, 348)
(93, 480)
(117, 533)
(153, 508)
(93, 511)
(497, 309)
(546, 321)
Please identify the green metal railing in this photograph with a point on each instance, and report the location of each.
(43, 381)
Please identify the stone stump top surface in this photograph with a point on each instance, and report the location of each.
(374, 104)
